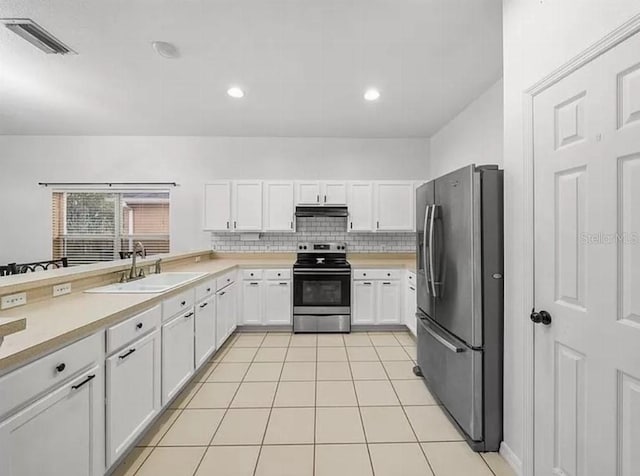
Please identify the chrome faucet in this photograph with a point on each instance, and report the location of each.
(133, 273)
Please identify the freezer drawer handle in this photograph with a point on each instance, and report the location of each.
(443, 341)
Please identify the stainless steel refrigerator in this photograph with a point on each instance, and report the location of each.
(460, 298)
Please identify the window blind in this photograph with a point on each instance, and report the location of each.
(90, 226)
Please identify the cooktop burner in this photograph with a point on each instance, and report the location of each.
(322, 255)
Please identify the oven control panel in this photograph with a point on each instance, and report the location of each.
(322, 247)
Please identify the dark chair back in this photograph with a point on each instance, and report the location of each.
(40, 265)
(6, 270)
(129, 254)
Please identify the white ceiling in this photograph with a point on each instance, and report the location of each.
(304, 65)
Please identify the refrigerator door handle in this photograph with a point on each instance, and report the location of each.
(431, 236)
(424, 244)
(449, 345)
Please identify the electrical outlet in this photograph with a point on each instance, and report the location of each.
(61, 289)
(13, 300)
(198, 258)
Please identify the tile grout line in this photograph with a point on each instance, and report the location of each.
(315, 409)
(231, 345)
(273, 400)
(404, 412)
(364, 433)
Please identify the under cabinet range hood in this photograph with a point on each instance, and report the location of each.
(321, 211)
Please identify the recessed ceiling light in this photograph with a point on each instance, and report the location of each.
(371, 94)
(235, 92)
(166, 50)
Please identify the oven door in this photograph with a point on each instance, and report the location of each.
(321, 292)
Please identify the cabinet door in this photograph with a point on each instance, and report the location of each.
(217, 206)
(205, 322)
(247, 206)
(62, 433)
(308, 193)
(410, 309)
(360, 206)
(177, 354)
(278, 206)
(364, 302)
(251, 304)
(334, 193)
(389, 302)
(232, 314)
(394, 205)
(133, 392)
(278, 302)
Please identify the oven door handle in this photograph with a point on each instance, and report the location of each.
(306, 272)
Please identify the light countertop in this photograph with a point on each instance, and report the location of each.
(56, 322)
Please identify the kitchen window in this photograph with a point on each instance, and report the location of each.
(92, 225)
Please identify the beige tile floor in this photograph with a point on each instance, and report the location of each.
(276, 404)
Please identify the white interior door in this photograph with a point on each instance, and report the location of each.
(587, 269)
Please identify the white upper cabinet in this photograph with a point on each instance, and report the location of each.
(308, 193)
(333, 193)
(217, 206)
(247, 205)
(394, 205)
(278, 206)
(360, 204)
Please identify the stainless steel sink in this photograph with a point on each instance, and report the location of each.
(155, 283)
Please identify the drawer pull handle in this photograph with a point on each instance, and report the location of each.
(228, 279)
(85, 381)
(208, 290)
(222, 293)
(364, 274)
(386, 283)
(139, 325)
(412, 288)
(283, 284)
(279, 274)
(203, 305)
(253, 284)
(187, 316)
(367, 284)
(183, 303)
(388, 274)
(61, 367)
(124, 356)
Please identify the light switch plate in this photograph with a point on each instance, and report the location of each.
(61, 289)
(13, 300)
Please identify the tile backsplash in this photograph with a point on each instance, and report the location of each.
(316, 229)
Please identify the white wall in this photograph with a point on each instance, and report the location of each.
(473, 136)
(25, 208)
(539, 36)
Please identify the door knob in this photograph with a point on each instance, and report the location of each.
(540, 317)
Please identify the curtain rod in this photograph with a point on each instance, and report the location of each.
(108, 184)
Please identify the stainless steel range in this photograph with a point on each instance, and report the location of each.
(322, 288)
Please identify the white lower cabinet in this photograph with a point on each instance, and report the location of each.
(377, 297)
(225, 313)
(60, 433)
(411, 304)
(364, 302)
(133, 392)
(266, 297)
(177, 353)
(252, 305)
(205, 330)
(277, 302)
(389, 302)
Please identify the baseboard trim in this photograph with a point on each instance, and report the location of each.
(511, 458)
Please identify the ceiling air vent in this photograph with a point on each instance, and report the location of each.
(37, 36)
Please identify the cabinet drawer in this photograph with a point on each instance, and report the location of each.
(251, 274)
(376, 274)
(178, 303)
(206, 289)
(129, 330)
(277, 274)
(225, 280)
(26, 383)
